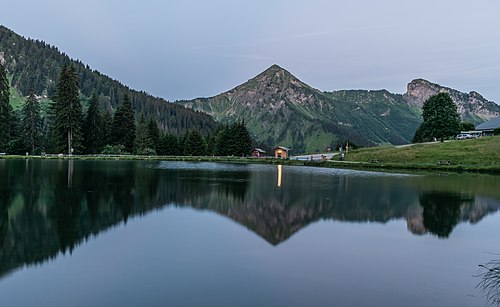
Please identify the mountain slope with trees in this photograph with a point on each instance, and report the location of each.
(35, 65)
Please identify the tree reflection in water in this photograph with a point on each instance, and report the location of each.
(490, 281)
(441, 211)
(48, 207)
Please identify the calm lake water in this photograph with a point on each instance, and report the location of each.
(122, 233)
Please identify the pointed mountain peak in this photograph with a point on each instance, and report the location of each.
(276, 70)
(275, 76)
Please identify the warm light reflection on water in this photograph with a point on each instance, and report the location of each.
(280, 171)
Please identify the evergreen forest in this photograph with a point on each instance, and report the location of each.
(62, 106)
(34, 66)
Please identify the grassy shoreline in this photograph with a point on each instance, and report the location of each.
(474, 156)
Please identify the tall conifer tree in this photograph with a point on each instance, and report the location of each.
(5, 109)
(106, 128)
(142, 141)
(93, 133)
(67, 112)
(124, 125)
(243, 140)
(31, 123)
(154, 133)
(169, 145)
(194, 144)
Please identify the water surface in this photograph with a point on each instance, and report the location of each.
(136, 233)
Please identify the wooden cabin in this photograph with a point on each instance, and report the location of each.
(281, 152)
(257, 152)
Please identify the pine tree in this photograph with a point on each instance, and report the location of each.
(67, 112)
(233, 140)
(243, 140)
(222, 141)
(210, 141)
(5, 110)
(154, 133)
(169, 145)
(195, 144)
(92, 129)
(32, 123)
(143, 143)
(123, 132)
(106, 127)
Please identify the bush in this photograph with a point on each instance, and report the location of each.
(467, 126)
(148, 152)
(114, 150)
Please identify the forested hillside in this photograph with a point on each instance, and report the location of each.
(36, 64)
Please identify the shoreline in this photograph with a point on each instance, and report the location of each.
(379, 166)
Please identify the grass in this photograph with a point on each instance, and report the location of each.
(481, 154)
(16, 100)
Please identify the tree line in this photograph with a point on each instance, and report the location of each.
(67, 129)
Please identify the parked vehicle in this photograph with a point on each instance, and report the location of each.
(463, 136)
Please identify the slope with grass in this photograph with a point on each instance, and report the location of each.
(481, 154)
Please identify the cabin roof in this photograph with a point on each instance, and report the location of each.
(491, 124)
(282, 147)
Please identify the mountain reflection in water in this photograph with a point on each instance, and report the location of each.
(48, 206)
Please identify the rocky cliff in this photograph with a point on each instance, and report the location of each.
(471, 106)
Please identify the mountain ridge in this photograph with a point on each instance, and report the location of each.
(278, 108)
(317, 119)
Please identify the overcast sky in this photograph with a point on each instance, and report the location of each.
(192, 48)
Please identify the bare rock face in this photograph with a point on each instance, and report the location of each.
(419, 90)
(471, 106)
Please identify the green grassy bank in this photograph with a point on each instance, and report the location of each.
(477, 155)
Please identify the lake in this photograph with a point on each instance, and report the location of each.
(142, 233)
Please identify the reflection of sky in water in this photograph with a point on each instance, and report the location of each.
(221, 234)
(234, 167)
(183, 257)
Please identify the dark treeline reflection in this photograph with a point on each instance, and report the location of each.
(51, 206)
(442, 211)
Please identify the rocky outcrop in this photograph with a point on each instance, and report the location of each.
(472, 106)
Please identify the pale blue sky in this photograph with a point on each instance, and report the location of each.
(192, 48)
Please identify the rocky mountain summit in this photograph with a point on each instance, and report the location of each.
(471, 106)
